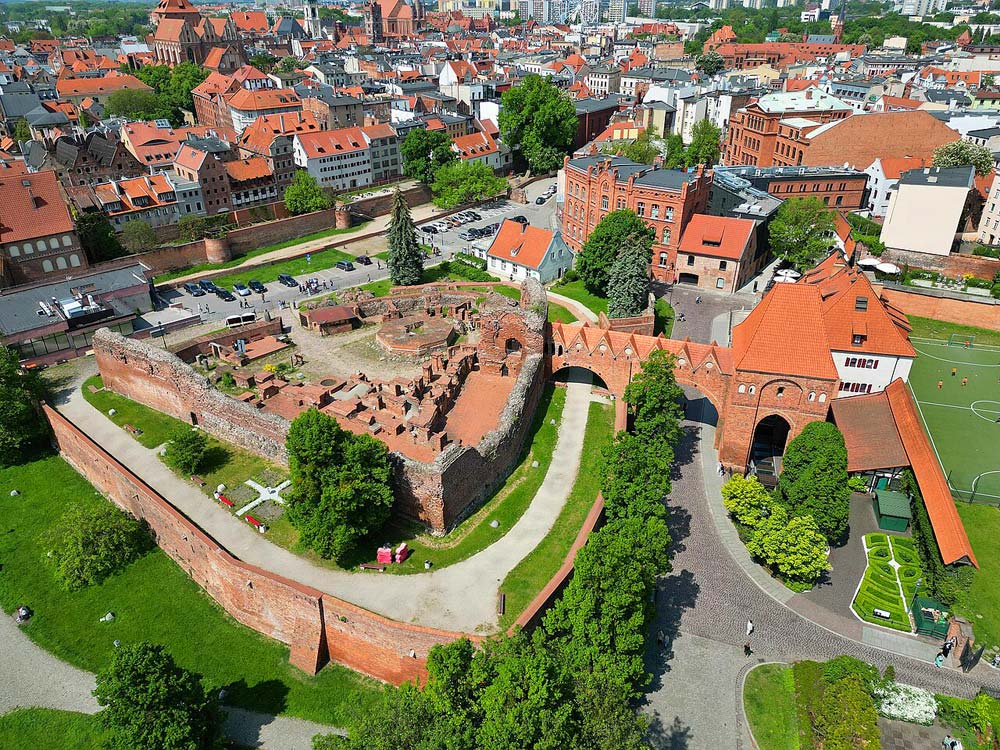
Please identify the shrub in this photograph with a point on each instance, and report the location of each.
(986, 251)
(906, 703)
(846, 717)
(186, 450)
(977, 283)
(857, 484)
(90, 544)
(841, 667)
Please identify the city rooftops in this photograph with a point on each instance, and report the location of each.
(961, 177)
(810, 99)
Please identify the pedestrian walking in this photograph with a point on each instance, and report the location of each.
(940, 384)
(965, 382)
(697, 300)
(746, 649)
(954, 371)
(946, 742)
(749, 628)
(939, 661)
(660, 639)
(948, 646)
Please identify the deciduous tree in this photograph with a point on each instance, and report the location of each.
(340, 484)
(710, 63)
(538, 120)
(461, 182)
(136, 104)
(97, 238)
(746, 500)
(406, 258)
(424, 152)
(813, 479)
(186, 450)
(802, 232)
(305, 195)
(89, 544)
(704, 146)
(601, 249)
(636, 476)
(150, 703)
(964, 154)
(138, 236)
(656, 400)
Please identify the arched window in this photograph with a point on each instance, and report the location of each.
(61, 263)
(46, 266)
(14, 252)
(67, 241)
(822, 398)
(742, 388)
(812, 395)
(752, 390)
(74, 260)
(40, 246)
(512, 346)
(54, 243)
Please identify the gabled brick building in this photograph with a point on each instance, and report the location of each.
(666, 199)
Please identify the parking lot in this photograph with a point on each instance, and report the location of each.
(213, 307)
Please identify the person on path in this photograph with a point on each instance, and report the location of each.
(746, 649)
(946, 742)
(965, 382)
(939, 661)
(660, 640)
(749, 628)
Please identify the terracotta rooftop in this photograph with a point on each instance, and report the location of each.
(952, 540)
(522, 244)
(253, 168)
(717, 236)
(332, 142)
(869, 432)
(31, 206)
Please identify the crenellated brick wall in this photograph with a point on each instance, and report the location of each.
(316, 626)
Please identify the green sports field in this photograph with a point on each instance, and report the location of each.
(961, 420)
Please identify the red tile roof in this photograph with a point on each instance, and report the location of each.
(247, 169)
(251, 101)
(717, 236)
(785, 335)
(106, 84)
(474, 145)
(258, 136)
(31, 206)
(332, 142)
(893, 167)
(522, 244)
(869, 432)
(949, 532)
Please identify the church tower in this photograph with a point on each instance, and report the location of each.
(311, 16)
(373, 21)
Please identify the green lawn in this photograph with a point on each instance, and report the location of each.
(46, 729)
(156, 427)
(981, 605)
(927, 328)
(577, 291)
(769, 702)
(664, 318)
(153, 600)
(206, 267)
(879, 588)
(534, 571)
(961, 420)
(474, 534)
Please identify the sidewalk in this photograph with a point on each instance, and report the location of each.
(461, 597)
(847, 627)
(581, 311)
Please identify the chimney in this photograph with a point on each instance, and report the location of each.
(809, 93)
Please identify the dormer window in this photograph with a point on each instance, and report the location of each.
(861, 304)
(857, 339)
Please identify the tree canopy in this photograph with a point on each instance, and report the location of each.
(655, 399)
(459, 182)
(602, 247)
(964, 154)
(138, 236)
(173, 86)
(802, 232)
(538, 121)
(642, 150)
(813, 479)
(186, 450)
(406, 257)
(89, 544)
(98, 238)
(305, 195)
(710, 63)
(138, 105)
(424, 152)
(22, 427)
(150, 703)
(705, 144)
(340, 484)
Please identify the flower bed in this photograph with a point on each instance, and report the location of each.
(891, 564)
(907, 703)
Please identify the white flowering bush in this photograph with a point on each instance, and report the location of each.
(906, 703)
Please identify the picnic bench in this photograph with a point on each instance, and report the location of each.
(254, 522)
(197, 480)
(227, 502)
(373, 566)
(131, 430)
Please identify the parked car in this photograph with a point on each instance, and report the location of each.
(363, 260)
(224, 294)
(468, 234)
(344, 265)
(257, 286)
(284, 278)
(207, 285)
(519, 219)
(429, 228)
(193, 289)
(475, 216)
(490, 229)
(540, 200)
(241, 289)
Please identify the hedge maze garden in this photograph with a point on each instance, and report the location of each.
(889, 582)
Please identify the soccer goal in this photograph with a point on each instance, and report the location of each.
(962, 339)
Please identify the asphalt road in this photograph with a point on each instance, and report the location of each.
(212, 308)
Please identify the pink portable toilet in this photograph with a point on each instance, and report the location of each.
(402, 552)
(384, 555)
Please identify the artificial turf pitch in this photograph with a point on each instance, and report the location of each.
(961, 420)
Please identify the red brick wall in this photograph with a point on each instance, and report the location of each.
(983, 314)
(317, 627)
(950, 265)
(203, 344)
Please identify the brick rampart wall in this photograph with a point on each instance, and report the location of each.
(317, 627)
(985, 314)
(950, 265)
